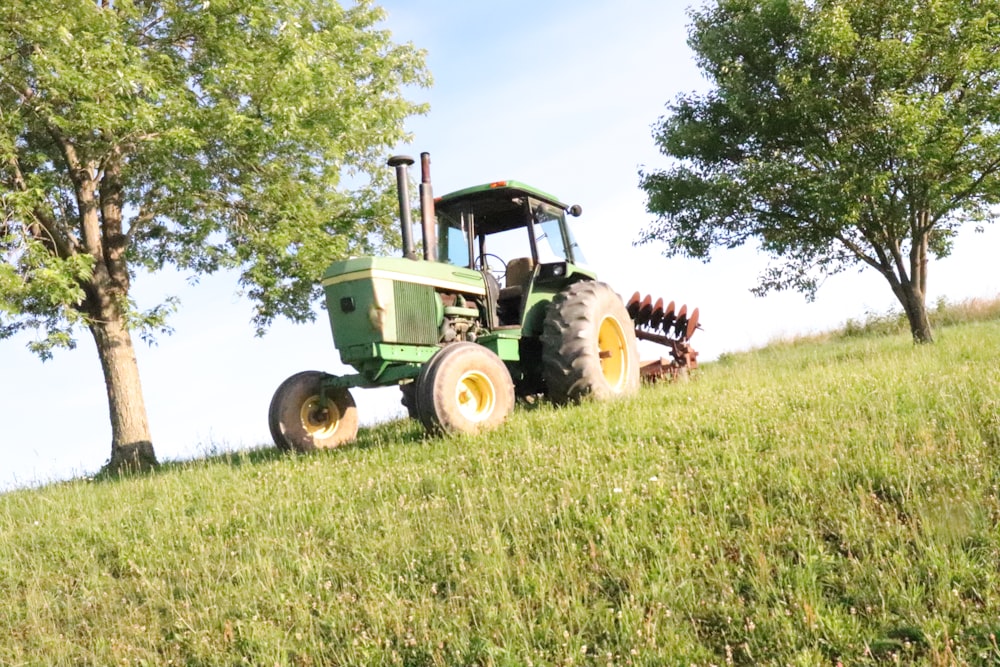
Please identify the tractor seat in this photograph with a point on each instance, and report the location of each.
(519, 272)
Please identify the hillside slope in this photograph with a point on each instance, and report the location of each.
(812, 503)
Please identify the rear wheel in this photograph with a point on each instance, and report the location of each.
(464, 388)
(588, 345)
(303, 416)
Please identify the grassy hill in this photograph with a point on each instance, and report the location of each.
(822, 502)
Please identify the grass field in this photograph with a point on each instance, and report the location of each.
(821, 502)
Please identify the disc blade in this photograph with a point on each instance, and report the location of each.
(668, 318)
(692, 323)
(633, 305)
(680, 324)
(645, 310)
(657, 316)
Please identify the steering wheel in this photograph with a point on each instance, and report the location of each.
(488, 262)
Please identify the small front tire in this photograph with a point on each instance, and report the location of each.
(464, 388)
(304, 416)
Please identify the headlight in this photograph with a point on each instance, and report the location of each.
(552, 271)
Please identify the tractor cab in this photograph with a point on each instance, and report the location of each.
(515, 235)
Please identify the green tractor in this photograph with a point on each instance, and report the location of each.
(498, 307)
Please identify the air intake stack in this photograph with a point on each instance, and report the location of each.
(400, 164)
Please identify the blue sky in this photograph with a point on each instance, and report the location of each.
(559, 94)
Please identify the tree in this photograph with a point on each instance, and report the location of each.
(137, 134)
(836, 133)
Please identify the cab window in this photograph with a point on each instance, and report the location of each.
(453, 243)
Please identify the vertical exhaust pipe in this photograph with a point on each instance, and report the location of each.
(427, 221)
(400, 164)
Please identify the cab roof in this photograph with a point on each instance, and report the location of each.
(499, 190)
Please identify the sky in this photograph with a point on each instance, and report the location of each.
(560, 94)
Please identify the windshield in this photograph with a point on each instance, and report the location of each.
(553, 236)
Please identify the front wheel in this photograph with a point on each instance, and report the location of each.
(464, 388)
(588, 345)
(304, 416)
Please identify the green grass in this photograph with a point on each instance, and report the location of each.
(811, 503)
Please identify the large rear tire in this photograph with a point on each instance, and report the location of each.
(464, 388)
(302, 421)
(588, 345)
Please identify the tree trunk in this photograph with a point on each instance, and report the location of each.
(107, 291)
(913, 302)
(915, 292)
(131, 444)
(910, 287)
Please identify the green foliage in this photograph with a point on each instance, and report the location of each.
(822, 503)
(230, 133)
(836, 132)
(36, 292)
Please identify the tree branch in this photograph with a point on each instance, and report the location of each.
(115, 243)
(885, 263)
(859, 252)
(918, 253)
(84, 185)
(991, 170)
(897, 258)
(63, 245)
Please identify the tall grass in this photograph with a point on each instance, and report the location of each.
(943, 314)
(817, 504)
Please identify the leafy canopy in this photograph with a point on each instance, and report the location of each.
(835, 132)
(225, 133)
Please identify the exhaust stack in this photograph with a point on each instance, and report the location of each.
(427, 218)
(400, 164)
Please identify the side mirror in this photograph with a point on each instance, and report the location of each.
(575, 210)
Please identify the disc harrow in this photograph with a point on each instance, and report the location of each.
(669, 326)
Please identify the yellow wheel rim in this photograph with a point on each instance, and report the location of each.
(613, 352)
(475, 396)
(320, 419)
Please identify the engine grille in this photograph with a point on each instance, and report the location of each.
(416, 314)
